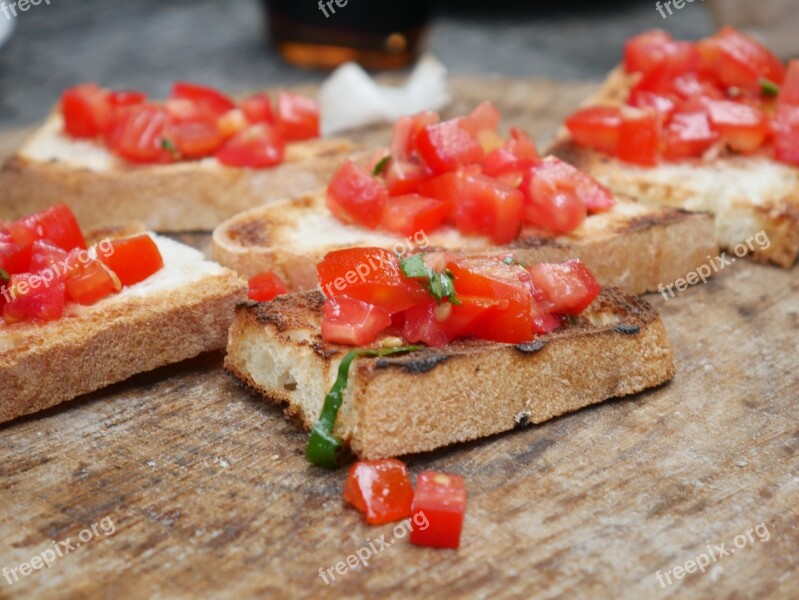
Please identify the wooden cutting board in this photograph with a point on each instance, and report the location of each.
(209, 493)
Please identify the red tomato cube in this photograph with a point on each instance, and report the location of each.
(596, 127)
(413, 213)
(639, 137)
(86, 110)
(297, 117)
(56, 224)
(29, 298)
(352, 322)
(355, 196)
(265, 287)
(381, 489)
(441, 499)
(448, 146)
(568, 288)
(688, 135)
(133, 259)
(258, 146)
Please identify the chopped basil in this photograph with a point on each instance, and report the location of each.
(440, 285)
(4, 276)
(380, 166)
(167, 145)
(768, 87)
(323, 445)
(509, 260)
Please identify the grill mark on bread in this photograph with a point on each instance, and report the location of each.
(411, 363)
(530, 347)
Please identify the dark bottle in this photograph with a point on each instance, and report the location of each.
(327, 33)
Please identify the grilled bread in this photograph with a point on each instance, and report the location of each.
(102, 189)
(633, 247)
(179, 312)
(435, 397)
(747, 194)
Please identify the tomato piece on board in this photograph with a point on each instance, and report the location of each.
(372, 275)
(441, 499)
(137, 134)
(56, 224)
(195, 139)
(688, 135)
(412, 213)
(86, 110)
(405, 131)
(297, 117)
(258, 108)
(381, 489)
(133, 259)
(568, 288)
(739, 60)
(31, 299)
(90, 281)
(491, 278)
(256, 147)
(447, 146)
(209, 100)
(743, 128)
(639, 137)
(46, 255)
(597, 127)
(354, 195)
(266, 286)
(352, 322)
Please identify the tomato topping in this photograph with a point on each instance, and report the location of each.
(441, 498)
(133, 259)
(789, 94)
(381, 489)
(597, 127)
(664, 105)
(297, 117)
(487, 206)
(265, 287)
(256, 147)
(738, 60)
(90, 281)
(485, 117)
(137, 134)
(688, 135)
(30, 298)
(195, 139)
(46, 255)
(258, 108)
(209, 100)
(424, 323)
(354, 195)
(410, 214)
(56, 224)
(786, 133)
(126, 98)
(15, 258)
(743, 128)
(639, 137)
(353, 322)
(372, 275)
(405, 176)
(448, 146)
(405, 131)
(568, 288)
(646, 51)
(86, 110)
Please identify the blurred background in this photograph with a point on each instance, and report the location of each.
(148, 44)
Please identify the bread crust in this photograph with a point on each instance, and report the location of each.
(436, 397)
(777, 213)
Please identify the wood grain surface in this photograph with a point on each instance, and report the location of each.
(210, 495)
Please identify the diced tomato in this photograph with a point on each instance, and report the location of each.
(126, 98)
(208, 99)
(352, 322)
(597, 127)
(405, 131)
(381, 489)
(31, 299)
(15, 258)
(265, 287)
(354, 195)
(372, 275)
(639, 137)
(568, 288)
(56, 224)
(485, 117)
(422, 325)
(692, 85)
(664, 105)
(688, 135)
(448, 146)
(645, 51)
(297, 117)
(256, 147)
(232, 122)
(90, 282)
(133, 259)
(674, 59)
(137, 134)
(412, 213)
(743, 128)
(46, 255)
(490, 278)
(789, 93)
(487, 206)
(441, 499)
(405, 176)
(786, 133)
(258, 108)
(195, 139)
(509, 162)
(738, 60)
(86, 110)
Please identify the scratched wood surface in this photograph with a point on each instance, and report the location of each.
(210, 496)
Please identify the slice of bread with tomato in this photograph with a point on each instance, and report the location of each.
(719, 140)
(184, 164)
(434, 397)
(108, 328)
(632, 246)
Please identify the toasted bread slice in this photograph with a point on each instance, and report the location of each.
(747, 194)
(104, 190)
(633, 247)
(181, 311)
(435, 397)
